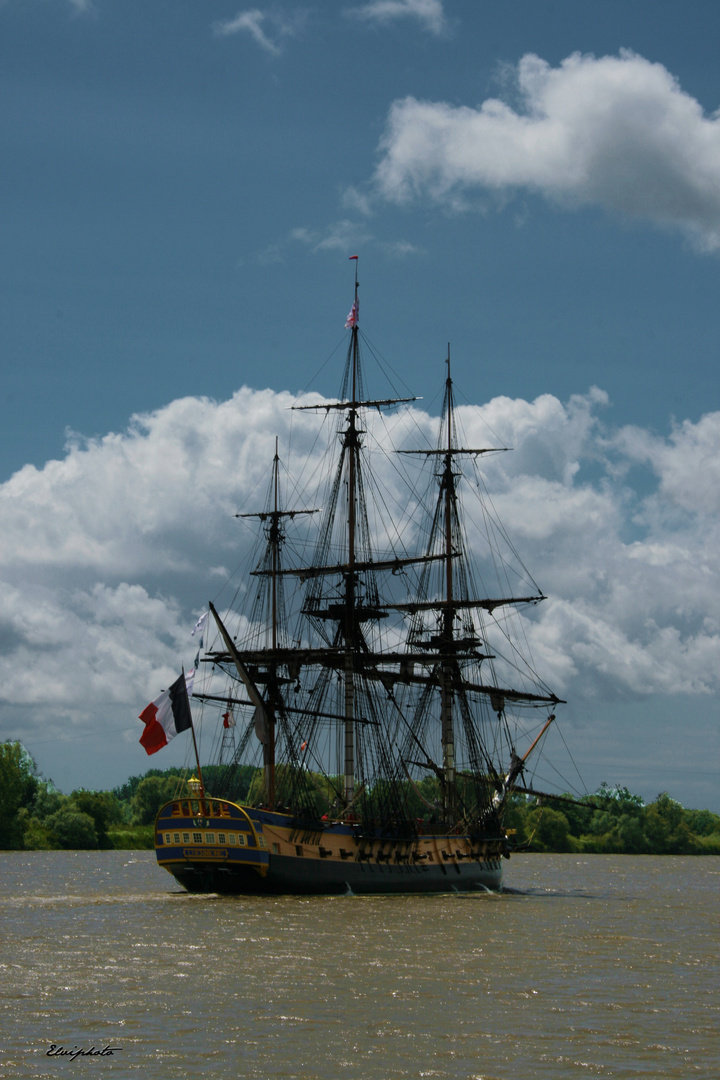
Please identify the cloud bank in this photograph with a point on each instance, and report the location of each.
(616, 132)
(110, 554)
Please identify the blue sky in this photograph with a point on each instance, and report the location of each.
(182, 183)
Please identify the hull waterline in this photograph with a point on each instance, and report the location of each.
(216, 846)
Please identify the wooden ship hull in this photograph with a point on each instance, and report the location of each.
(216, 846)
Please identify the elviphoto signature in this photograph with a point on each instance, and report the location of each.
(77, 1051)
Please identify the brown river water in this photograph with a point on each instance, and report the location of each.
(592, 966)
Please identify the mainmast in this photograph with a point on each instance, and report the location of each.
(357, 594)
(352, 446)
(448, 615)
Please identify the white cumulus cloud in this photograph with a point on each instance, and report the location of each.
(615, 131)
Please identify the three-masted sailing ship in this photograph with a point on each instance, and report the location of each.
(394, 711)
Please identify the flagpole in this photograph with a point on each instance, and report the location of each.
(192, 728)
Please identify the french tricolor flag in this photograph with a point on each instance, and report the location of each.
(354, 316)
(166, 717)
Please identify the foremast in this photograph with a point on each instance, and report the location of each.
(273, 656)
(275, 537)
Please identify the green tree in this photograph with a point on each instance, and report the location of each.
(578, 813)
(702, 822)
(18, 785)
(631, 835)
(666, 827)
(72, 828)
(550, 830)
(615, 834)
(103, 807)
(124, 792)
(47, 800)
(151, 794)
(614, 822)
(36, 835)
(618, 801)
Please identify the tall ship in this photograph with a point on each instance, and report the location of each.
(376, 697)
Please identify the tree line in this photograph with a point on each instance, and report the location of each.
(35, 816)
